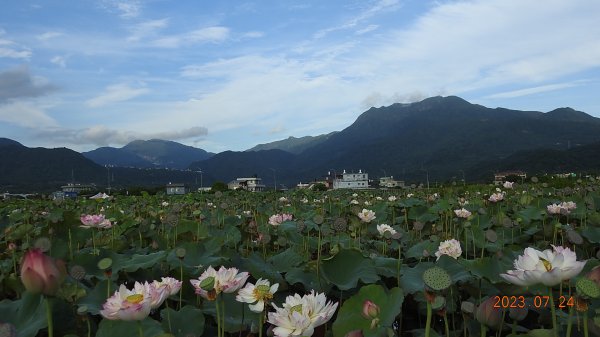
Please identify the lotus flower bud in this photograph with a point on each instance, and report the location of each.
(487, 314)
(370, 310)
(518, 314)
(594, 275)
(354, 333)
(41, 273)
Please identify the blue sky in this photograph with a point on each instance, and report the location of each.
(227, 75)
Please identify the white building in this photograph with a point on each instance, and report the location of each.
(176, 189)
(253, 184)
(358, 180)
(389, 182)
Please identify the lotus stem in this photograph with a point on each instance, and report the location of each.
(93, 242)
(223, 317)
(49, 317)
(446, 327)
(261, 318)
(70, 246)
(428, 322)
(181, 278)
(218, 317)
(586, 333)
(140, 329)
(483, 330)
(555, 326)
(169, 314)
(570, 322)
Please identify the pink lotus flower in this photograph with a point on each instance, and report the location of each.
(41, 273)
(161, 290)
(462, 213)
(96, 221)
(370, 310)
(554, 209)
(128, 305)
(278, 219)
(211, 283)
(496, 197)
(487, 314)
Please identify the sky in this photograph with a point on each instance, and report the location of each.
(227, 75)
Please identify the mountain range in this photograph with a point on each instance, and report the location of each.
(153, 153)
(439, 138)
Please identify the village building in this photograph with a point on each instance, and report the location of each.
(500, 177)
(346, 180)
(176, 189)
(253, 184)
(389, 182)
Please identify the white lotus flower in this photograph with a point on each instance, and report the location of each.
(391, 198)
(366, 215)
(299, 316)
(549, 267)
(128, 305)
(257, 293)
(385, 228)
(290, 322)
(450, 248)
(508, 184)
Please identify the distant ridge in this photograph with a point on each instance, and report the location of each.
(154, 153)
(292, 144)
(439, 137)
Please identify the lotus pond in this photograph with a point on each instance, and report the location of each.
(475, 260)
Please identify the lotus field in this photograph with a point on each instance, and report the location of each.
(475, 260)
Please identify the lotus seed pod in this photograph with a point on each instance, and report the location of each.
(77, 272)
(587, 288)
(437, 279)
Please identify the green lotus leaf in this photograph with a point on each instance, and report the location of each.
(350, 316)
(187, 321)
(347, 267)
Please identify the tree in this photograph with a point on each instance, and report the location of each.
(219, 186)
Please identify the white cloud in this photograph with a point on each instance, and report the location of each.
(536, 90)
(60, 61)
(48, 35)
(379, 7)
(253, 34)
(101, 135)
(367, 29)
(9, 49)
(25, 114)
(147, 28)
(277, 129)
(213, 34)
(127, 9)
(116, 93)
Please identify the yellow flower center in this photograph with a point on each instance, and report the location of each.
(262, 292)
(135, 298)
(547, 264)
(297, 308)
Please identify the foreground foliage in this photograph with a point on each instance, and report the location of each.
(421, 262)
